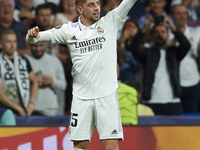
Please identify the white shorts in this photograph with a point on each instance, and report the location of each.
(102, 112)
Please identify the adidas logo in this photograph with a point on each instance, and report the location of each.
(73, 38)
(114, 132)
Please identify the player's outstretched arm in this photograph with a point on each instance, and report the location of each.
(35, 36)
(125, 7)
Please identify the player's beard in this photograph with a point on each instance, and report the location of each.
(90, 18)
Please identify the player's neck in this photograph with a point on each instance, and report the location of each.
(86, 22)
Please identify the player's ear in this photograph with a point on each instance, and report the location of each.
(80, 10)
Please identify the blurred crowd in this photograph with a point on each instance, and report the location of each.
(158, 58)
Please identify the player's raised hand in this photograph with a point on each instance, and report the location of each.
(34, 32)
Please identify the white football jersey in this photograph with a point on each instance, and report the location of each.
(93, 52)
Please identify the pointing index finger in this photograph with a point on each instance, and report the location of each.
(36, 29)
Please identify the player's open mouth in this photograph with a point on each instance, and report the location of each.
(96, 14)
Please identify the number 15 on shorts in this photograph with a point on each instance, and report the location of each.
(74, 120)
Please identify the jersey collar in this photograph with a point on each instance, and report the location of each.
(82, 27)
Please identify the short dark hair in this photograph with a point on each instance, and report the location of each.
(174, 6)
(80, 2)
(157, 24)
(42, 6)
(6, 32)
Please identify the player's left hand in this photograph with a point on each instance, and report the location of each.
(34, 32)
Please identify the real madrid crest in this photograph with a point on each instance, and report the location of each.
(100, 30)
(11, 91)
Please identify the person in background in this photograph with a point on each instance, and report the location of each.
(43, 21)
(128, 102)
(50, 77)
(161, 81)
(193, 7)
(18, 83)
(24, 12)
(142, 109)
(7, 117)
(129, 67)
(66, 12)
(189, 74)
(7, 22)
(43, 17)
(52, 3)
(157, 12)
